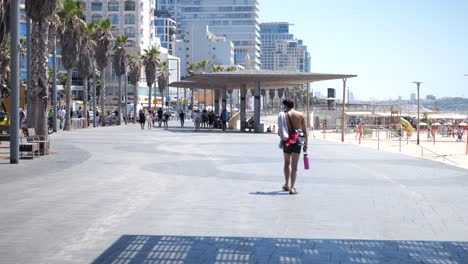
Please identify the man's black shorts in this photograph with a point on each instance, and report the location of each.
(294, 148)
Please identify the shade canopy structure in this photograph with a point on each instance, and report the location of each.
(268, 79)
(256, 80)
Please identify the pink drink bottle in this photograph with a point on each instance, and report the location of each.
(306, 161)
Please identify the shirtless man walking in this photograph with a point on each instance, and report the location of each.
(291, 152)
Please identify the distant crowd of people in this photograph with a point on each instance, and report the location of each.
(201, 119)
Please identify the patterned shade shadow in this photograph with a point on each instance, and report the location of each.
(148, 249)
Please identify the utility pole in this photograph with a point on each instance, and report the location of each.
(28, 71)
(417, 118)
(54, 81)
(14, 82)
(343, 111)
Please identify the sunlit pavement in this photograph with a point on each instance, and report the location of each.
(125, 195)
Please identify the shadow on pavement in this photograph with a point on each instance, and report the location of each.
(270, 193)
(198, 249)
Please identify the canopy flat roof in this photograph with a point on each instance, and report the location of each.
(267, 79)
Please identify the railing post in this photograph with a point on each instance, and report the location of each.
(400, 141)
(378, 138)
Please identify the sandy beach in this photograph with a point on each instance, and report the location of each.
(445, 149)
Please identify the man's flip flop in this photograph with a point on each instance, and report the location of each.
(293, 191)
(286, 189)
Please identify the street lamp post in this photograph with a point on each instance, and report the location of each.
(343, 112)
(466, 134)
(14, 82)
(417, 118)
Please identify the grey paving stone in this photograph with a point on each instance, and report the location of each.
(122, 195)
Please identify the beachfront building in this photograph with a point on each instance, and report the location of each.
(133, 19)
(281, 50)
(237, 21)
(201, 44)
(165, 29)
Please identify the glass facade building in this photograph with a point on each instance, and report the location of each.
(236, 20)
(280, 49)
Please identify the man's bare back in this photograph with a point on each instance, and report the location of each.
(297, 120)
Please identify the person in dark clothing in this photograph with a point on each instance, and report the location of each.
(182, 118)
(142, 119)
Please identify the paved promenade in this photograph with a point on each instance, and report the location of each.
(123, 195)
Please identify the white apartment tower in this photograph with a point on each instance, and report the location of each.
(134, 19)
(200, 44)
(236, 20)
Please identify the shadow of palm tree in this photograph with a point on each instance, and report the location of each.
(223, 250)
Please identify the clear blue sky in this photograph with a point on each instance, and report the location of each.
(388, 44)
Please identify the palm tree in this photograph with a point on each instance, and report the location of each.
(40, 12)
(5, 57)
(86, 63)
(217, 68)
(271, 93)
(163, 77)
(102, 36)
(202, 66)
(4, 21)
(120, 67)
(192, 69)
(151, 61)
(134, 66)
(70, 38)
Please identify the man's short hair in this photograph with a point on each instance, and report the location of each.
(288, 103)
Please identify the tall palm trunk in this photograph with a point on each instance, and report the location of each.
(135, 103)
(102, 95)
(85, 101)
(39, 94)
(119, 102)
(149, 95)
(67, 126)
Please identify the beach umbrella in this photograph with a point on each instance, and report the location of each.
(462, 124)
(436, 124)
(422, 124)
(448, 124)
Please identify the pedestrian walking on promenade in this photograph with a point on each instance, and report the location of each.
(224, 118)
(141, 119)
(149, 119)
(166, 117)
(292, 130)
(182, 118)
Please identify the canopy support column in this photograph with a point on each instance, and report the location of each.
(243, 93)
(223, 101)
(216, 104)
(257, 107)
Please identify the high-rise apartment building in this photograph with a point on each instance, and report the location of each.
(270, 34)
(165, 29)
(130, 18)
(281, 51)
(235, 20)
